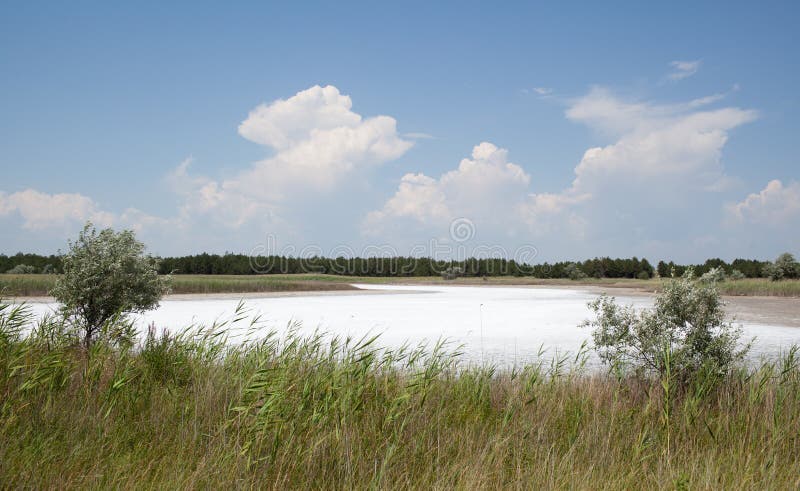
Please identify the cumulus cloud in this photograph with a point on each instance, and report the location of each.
(683, 69)
(482, 187)
(653, 141)
(41, 210)
(316, 140)
(775, 205)
(661, 162)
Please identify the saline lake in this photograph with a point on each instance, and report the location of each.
(505, 326)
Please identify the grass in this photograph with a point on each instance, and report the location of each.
(40, 285)
(760, 287)
(292, 412)
(30, 285)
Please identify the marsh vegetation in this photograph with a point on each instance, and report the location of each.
(191, 410)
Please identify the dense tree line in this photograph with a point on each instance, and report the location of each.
(241, 264)
(39, 263)
(750, 268)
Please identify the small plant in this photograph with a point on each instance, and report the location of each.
(688, 319)
(22, 269)
(574, 272)
(714, 275)
(452, 273)
(736, 275)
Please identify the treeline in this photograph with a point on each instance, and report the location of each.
(750, 268)
(401, 266)
(33, 263)
(241, 264)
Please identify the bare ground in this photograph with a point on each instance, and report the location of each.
(783, 311)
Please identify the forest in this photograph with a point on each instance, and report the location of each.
(242, 264)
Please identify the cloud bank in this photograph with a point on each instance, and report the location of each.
(656, 184)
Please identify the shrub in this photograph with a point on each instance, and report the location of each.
(784, 267)
(736, 275)
(687, 322)
(714, 275)
(22, 269)
(107, 275)
(574, 272)
(452, 273)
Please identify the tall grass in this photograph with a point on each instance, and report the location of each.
(290, 411)
(760, 287)
(28, 285)
(40, 285)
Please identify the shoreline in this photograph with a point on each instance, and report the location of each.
(767, 310)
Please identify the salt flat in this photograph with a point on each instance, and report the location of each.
(499, 325)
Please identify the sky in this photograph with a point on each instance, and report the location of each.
(537, 131)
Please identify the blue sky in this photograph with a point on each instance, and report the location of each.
(664, 131)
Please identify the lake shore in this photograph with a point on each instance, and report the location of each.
(783, 311)
(38, 285)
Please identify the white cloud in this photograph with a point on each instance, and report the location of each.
(317, 141)
(774, 205)
(653, 141)
(41, 210)
(543, 90)
(662, 162)
(482, 188)
(683, 69)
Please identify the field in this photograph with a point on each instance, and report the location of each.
(311, 413)
(40, 285)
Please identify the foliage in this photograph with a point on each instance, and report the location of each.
(784, 267)
(287, 411)
(714, 275)
(22, 269)
(736, 275)
(36, 260)
(574, 272)
(452, 273)
(688, 320)
(107, 274)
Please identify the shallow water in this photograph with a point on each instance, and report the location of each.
(504, 326)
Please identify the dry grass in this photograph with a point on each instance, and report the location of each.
(29, 285)
(761, 287)
(310, 413)
(40, 285)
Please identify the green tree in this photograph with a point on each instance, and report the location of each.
(688, 320)
(713, 275)
(574, 272)
(107, 274)
(22, 269)
(784, 267)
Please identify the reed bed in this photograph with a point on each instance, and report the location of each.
(193, 410)
(760, 287)
(31, 285)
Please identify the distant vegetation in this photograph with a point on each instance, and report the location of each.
(604, 267)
